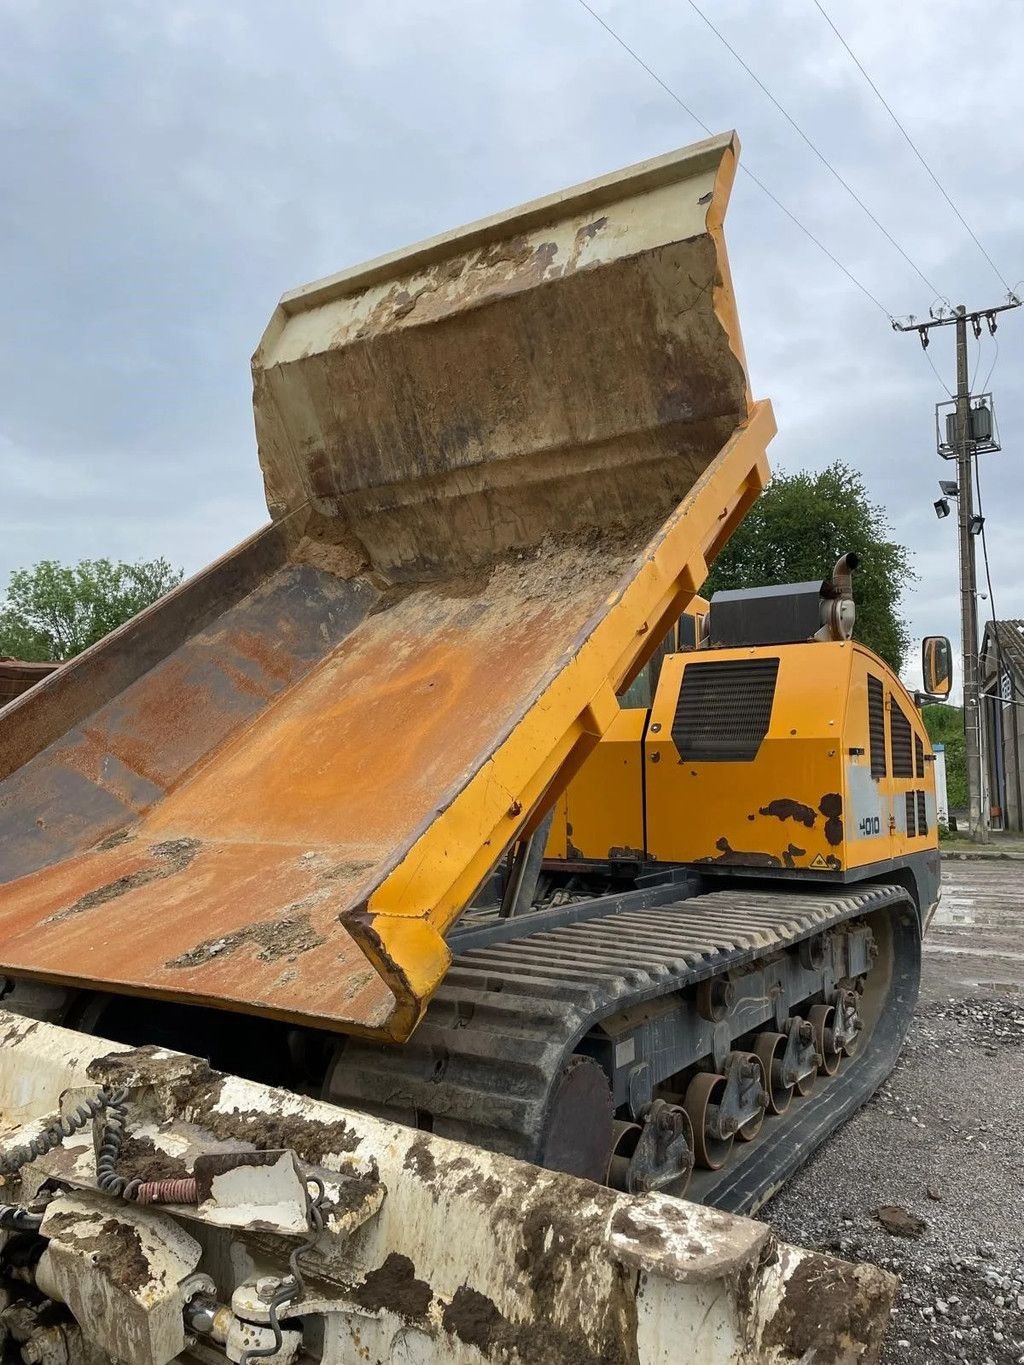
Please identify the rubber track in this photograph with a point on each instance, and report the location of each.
(508, 1016)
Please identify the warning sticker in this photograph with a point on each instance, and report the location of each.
(818, 861)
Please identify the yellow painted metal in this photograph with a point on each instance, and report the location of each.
(453, 855)
(601, 815)
(808, 801)
(781, 808)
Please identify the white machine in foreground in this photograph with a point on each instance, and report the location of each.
(309, 1232)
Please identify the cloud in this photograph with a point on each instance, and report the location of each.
(170, 170)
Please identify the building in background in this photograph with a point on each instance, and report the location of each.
(17, 676)
(1002, 678)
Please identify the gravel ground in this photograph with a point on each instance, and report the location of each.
(942, 1141)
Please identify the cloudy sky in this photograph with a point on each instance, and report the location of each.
(169, 169)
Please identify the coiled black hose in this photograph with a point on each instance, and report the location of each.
(110, 1147)
(59, 1130)
(106, 1100)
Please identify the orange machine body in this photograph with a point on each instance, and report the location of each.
(805, 759)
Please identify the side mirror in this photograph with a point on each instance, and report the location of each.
(937, 665)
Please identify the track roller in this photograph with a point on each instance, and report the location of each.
(770, 1050)
(655, 1154)
(821, 1019)
(847, 1024)
(751, 1093)
(801, 1056)
(704, 1095)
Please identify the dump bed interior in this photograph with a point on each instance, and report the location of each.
(497, 466)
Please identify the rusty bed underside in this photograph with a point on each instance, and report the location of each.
(496, 464)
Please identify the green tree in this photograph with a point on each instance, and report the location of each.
(54, 611)
(945, 725)
(797, 530)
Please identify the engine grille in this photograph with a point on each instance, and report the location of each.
(876, 726)
(901, 742)
(724, 709)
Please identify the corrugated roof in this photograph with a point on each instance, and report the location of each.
(1009, 635)
(17, 676)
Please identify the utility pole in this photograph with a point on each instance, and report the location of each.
(965, 436)
(977, 814)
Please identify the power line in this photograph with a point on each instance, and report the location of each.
(977, 361)
(745, 169)
(653, 74)
(935, 371)
(991, 368)
(988, 573)
(816, 150)
(984, 541)
(911, 144)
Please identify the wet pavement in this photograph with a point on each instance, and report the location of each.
(975, 943)
(941, 1139)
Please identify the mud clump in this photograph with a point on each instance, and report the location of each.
(420, 1158)
(190, 1082)
(115, 1247)
(900, 1221)
(477, 1321)
(310, 1140)
(394, 1286)
(827, 1313)
(141, 1159)
(474, 1319)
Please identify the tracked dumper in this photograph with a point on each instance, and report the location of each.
(417, 806)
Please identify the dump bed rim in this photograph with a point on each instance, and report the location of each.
(682, 163)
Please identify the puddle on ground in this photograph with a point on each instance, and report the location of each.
(955, 910)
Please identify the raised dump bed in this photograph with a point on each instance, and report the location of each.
(497, 464)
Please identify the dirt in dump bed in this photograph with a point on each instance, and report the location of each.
(556, 570)
(173, 856)
(328, 546)
(282, 938)
(559, 569)
(115, 1248)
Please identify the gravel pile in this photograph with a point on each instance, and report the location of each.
(941, 1143)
